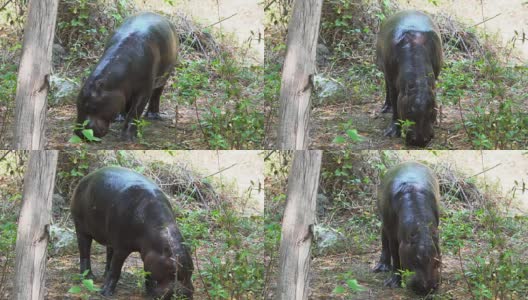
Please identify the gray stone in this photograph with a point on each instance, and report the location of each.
(61, 238)
(326, 237)
(322, 54)
(327, 88)
(63, 90)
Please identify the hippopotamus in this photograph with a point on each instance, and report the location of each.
(132, 72)
(126, 212)
(409, 52)
(408, 207)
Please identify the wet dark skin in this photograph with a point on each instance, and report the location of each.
(127, 212)
(408, 207)
(132, 73)
(409, 52)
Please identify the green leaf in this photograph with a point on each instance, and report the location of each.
(74, 289)
(75, 140)
(338, 290)
(338, 140)
(88, 133)
(354, 135)
(354, 285)
(88, 283)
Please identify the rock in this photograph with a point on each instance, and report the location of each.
(63, 90)
(322, 204)
(327, 89)
(326, 238)
(58, 54)
(61, 238)
(322, 54)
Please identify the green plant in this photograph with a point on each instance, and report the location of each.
(87, 133)
(228, 119)
(351, 285)
(406, 276)
(405, 125)
(351, 135)
(140, 125)
(85, 289)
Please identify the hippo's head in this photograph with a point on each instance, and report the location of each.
(170, 269)
(417, 104)
(98, 106)
(419, 253)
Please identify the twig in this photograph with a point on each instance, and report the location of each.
(464, 274)
(221, 20)
(221, 170)
(462, 117)
(486, 20)
(269, 4)
(484, 171)
(200, 275)
(5, 4)
(5, 154)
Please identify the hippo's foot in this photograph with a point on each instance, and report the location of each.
(107, 291)
(381, 267)
(386, 108)
(153, 116)
(392, 131)
(119, 118)
(129, 133)
(394, 281)
(89, 275)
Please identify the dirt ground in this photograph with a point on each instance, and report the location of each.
(158, 134)
(370, 124)
(326, 269)
(62, 269)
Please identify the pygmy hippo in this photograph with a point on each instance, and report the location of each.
(409, 52)
(408, 206)
(127, 212)
(132, 72)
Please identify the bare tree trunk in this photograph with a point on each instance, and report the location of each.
(33, 75)
(33, 225)
(297, 75)
(297, 225)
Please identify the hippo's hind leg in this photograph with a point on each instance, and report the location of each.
(387, 107)
(395, 279)
(114, 272)
(109, 254)
(84, 241)
(385, 258)
(153, 108)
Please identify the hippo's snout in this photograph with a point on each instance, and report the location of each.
(100, 127)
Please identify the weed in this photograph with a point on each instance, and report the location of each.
(87, 133)
(85, 289)
(351, 285)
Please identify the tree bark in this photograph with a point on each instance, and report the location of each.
(297, 225)
(297, 75)
(33, 75)
(33, 225)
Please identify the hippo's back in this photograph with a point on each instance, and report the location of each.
(409, 20)
(406, 177)
(111, 191)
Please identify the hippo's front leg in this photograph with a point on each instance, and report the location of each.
(384, 264)
(113, 274)
(129, 132)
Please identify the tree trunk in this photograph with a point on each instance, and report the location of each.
(297, 225)
(33, 75)
(33, 225)
(297, 75)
